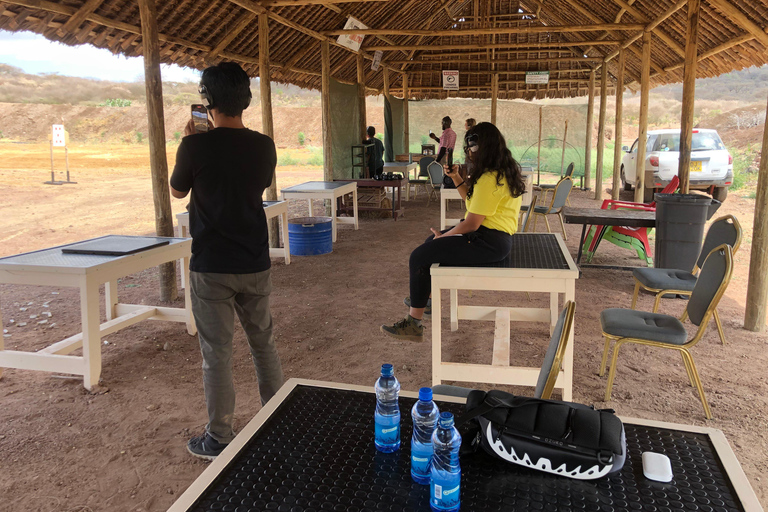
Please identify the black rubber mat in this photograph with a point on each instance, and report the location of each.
(536, 250)
(316, 453)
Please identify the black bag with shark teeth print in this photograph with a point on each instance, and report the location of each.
(562, 438)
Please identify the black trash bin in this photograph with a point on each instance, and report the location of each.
(680, 220)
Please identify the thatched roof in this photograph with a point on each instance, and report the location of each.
(568, 38)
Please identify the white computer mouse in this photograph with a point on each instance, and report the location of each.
(657, 467)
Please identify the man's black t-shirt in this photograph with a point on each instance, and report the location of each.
(227, 170)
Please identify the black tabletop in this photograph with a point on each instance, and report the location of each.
(631, 218)
(316, 452)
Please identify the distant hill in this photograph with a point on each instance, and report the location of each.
(749, 84)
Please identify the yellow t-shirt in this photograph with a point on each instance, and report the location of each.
(496, 203)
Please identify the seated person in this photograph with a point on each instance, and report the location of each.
(375, 162)
(493, 195)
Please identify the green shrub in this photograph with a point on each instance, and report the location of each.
(139, 137)
(176, 136)
(302, 138)
(424, 140)
(380, 136)
(286, 159)
(117, 102)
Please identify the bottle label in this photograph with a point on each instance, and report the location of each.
(445, 491)
(387, 429)
(421, 456)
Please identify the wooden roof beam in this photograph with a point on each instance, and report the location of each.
(489, 72)
(292, 3)
(428, 24)
(741, 19)
(79, 17)
(481, 46)
(244, 22)
(652, 25)
(562, 29)
(443, 60)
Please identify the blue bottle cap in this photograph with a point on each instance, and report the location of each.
(446, 420)
(425, 394)
(387, 370)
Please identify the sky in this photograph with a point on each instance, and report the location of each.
(35, 54)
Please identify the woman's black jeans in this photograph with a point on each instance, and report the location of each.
(479, 247)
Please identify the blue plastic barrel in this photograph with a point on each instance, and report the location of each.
(310, 236)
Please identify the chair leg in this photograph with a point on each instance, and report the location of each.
(546, 221)
(562, 224)
(529, 296)
(688, 371)
(612, 371)
(719, 327)
(656, 301)
(699, 387)
(634, 296)
(535, 220)
(605, 356)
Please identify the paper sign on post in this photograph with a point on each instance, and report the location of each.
(352, 41)
(59, 138)
(451, 80)
(376, 60)
(537, 77)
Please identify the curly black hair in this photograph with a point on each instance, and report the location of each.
(492, 155)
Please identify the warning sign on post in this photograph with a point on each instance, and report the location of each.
(376, 60)
(352, 41)
(537, 77)
(451, 80)
(58, 136)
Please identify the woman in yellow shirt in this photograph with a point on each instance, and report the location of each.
(493, 194)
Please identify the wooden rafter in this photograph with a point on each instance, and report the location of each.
(488, 31)
(244, 22)
(79, 17)
(475, 46)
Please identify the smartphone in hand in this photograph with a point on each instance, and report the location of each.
(200, 118)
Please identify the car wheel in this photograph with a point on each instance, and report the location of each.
(720, 193)
(624, 183)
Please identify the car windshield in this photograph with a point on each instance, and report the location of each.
(701, 141)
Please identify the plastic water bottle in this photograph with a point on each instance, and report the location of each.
(387, 416)
(446, 471)
(425, 415)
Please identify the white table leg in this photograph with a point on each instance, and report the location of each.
(311, 214)
(443, 211)
(408, 188)
(437, 355)
(2, 340)
(110, 296)
(286, 244)
(191, 327)
(454, 310)
(333, 217)
(553, 311)
(183, 234)
(89, 315)
(570, 294)
(354, 207)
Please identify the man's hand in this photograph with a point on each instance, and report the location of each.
(433, 136)
(190, 128)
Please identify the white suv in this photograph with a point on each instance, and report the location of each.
(711, 164)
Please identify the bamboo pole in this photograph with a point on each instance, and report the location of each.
(588, 142)
(494, 97)
(361, 95)
(757, 286)
(601, 132)
(528, 29)
(267, 124)
(562, 158)
(325, 61)
(488, 46)
(642, 136)
(161, 193)
(689, 92)
(406, 119)
(538, 156)
(617, 139)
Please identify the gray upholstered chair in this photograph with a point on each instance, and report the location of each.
(527, 219)
(662, 281)
(562, 191)
(553, 359)
(546, 187)
(664, 331)
(423, 175)
(435, 180)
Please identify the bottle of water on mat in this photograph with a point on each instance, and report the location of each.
(387, 416)
(446, 471)
(425, 415)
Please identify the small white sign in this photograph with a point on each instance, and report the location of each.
(352, 41)
(58, 135)
(537, 77)
(376, 60)
(451, 80)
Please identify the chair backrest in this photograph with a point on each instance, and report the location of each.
(569, 170)
(435, 173)
(424, 163)
(553, 359)
(562, 190)
(725, 230)
(710, 286)
(671, 188)
(528, 215)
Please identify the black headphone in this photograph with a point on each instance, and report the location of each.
(471, 143)
(207, 97)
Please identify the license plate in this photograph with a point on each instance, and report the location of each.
(696, 167)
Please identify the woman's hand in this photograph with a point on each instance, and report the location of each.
(452, 171)
(436, 232)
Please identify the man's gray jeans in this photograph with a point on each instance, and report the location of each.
(215, 298)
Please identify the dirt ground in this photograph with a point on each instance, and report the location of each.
(123, 449)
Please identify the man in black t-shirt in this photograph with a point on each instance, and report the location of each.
(227, 169)
(375, 153)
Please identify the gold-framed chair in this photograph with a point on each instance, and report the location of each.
(559, 197)
(663, 281)
(544, 188)
(665, 331)
(550, 368)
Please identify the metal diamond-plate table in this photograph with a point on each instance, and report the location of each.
(311, 449)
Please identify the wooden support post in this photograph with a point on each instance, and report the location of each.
(161, 193)
(406, 119)
(588, 142)
(689, 87)
(267, 124)
(601, 131)
(494, 96)
(619, 125)
(325, 57)
(757, 287)
(361, 94)
(538, 155)
(642, 134)
(562, 158)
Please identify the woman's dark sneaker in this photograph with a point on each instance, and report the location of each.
(408, 329)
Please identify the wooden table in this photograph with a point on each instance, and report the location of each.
(311, 448)
(52, 267)
(395, 185)
(540, 263)
(405, 169)
(271, 208)
(330, 190)
(600, 217)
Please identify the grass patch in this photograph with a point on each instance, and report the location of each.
(308, 156)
